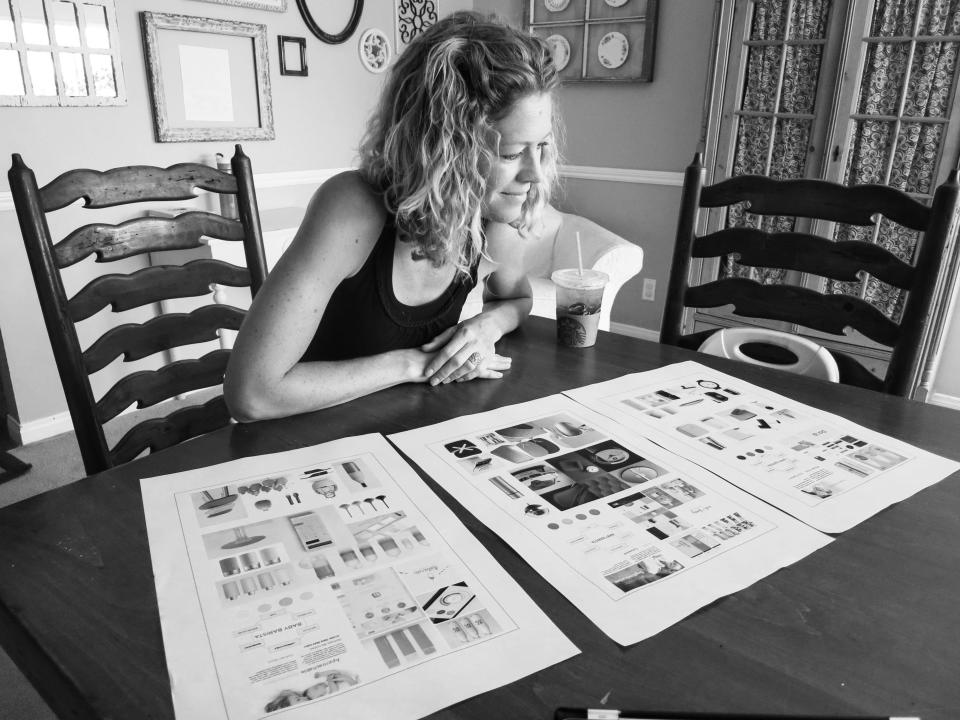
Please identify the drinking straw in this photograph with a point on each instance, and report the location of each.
(579, 256)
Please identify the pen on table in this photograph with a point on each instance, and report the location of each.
(611, 714)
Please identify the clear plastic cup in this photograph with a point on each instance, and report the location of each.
(578, 305)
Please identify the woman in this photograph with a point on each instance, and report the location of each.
(456, 166)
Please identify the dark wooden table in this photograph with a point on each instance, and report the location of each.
(868, 625)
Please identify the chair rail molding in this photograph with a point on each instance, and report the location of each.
(290, 178)
(624, 175)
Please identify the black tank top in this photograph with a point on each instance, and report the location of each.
(365, 318)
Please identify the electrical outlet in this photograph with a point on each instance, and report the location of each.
(649, 289)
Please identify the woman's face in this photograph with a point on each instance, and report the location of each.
(521, 138)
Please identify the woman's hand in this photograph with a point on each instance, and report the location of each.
(464, 352)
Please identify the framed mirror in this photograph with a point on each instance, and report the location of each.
(334, 38)
(60, 52)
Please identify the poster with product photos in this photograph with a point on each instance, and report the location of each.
(821, 468)
(330, 581)
(633, 535)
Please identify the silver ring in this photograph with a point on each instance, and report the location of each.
(475, 360)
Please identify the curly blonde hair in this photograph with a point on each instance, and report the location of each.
(427, 143)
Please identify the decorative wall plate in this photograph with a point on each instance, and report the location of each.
(616, 3)
(556, 5)
(374, 50)
(613, 50)
(559, 50)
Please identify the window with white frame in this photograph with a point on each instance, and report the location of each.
(60, 52)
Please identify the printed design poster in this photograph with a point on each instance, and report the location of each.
(824, 470)
(634, 536)
(330, 582)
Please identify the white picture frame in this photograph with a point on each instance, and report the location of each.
(272, 5)
(228, 93)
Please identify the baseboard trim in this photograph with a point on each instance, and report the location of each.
(624, 175)
(944, 400)
(43, 428)
(635, 332)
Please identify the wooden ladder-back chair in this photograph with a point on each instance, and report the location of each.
(122, 292)
(820, 256)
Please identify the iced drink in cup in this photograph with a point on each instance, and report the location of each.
(578, 305)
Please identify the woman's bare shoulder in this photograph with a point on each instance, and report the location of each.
(345, 214)
(347, 197)
(339, 229)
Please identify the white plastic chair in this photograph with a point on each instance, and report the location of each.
(557, 248)
(812, 360)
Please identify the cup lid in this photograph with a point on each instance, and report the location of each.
(572, 278)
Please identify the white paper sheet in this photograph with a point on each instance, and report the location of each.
(205, 79)
(634, 536)
(332, 572)
(821, 468)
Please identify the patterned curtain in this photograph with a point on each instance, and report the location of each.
(767, 142)
(897, 132)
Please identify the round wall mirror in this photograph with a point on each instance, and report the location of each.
(333, 38)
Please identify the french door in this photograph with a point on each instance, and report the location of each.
(854, 91)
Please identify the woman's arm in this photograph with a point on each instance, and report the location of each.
(265, 378)
(507, 303)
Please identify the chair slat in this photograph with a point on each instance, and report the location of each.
(141, 235)
(135, 183)
(806, 253)
(828, 313)
(152, 284)
(818, 199)
(159, 433)
(135, 341)
(149, 387)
